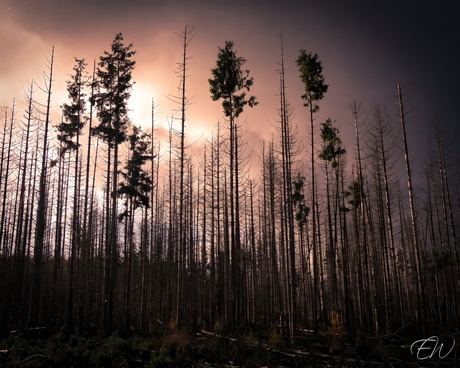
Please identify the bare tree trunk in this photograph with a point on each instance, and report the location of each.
(6, 248)
(108, 248)
(448, 223)
(368, 298)
(21, 234)
(214, 191)
(86, 244)
(287, 152)
(34, 311)
(3, 240)
(254, 285)
(396, 286)
(420, 311)
(5, 125)
(205, 305)
(316, 288)
(181, 288)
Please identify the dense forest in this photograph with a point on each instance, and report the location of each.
(104, 226)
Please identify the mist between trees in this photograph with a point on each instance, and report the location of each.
(102, 224)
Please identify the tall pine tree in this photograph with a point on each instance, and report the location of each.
(114, 84)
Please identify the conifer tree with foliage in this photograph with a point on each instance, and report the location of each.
(69, 131)
(331, 152)
(332, 144)
(114, 84)
(230, 83)
(135, 187)
(71, 127)
(311, 74)
(137, 182)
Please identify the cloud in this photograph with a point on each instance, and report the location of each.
(366, 49)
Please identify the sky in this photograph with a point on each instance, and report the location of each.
(366, 47)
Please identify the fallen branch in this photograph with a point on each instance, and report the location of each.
(293, 354)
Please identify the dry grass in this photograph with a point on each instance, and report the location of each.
(175, 340)
(336, 332)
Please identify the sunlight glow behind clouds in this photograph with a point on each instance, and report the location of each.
(363, 54)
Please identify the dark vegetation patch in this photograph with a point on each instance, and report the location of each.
(249, 347)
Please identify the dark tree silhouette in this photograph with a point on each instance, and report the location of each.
(230, 83)
(311, 74)
(135, 187)
(114, 83)
(34, 311)
(69, 129)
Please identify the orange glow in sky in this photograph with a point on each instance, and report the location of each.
(364, 56)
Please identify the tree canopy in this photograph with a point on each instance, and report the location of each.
(229, 79)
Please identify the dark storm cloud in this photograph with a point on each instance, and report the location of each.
(63, 18)
(405, 27)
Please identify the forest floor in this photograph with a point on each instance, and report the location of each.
(249, 347)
